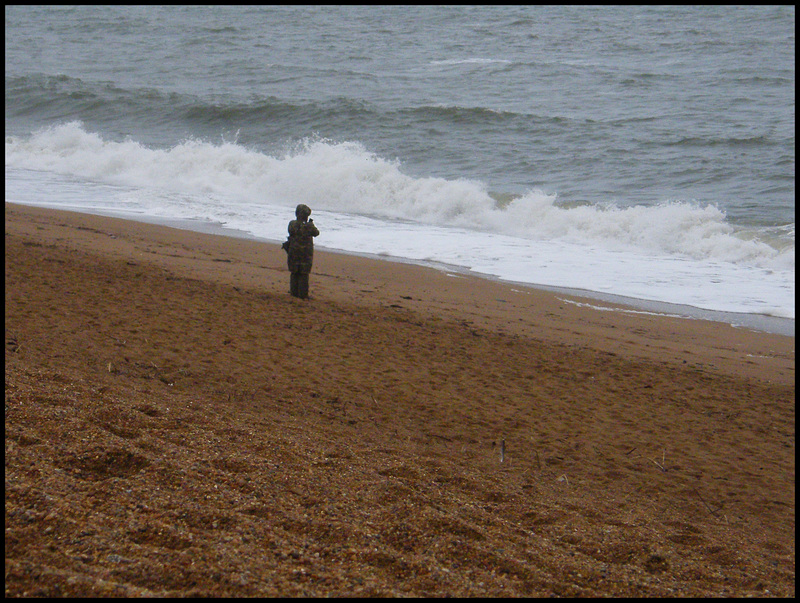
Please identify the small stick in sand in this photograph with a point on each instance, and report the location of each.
(502, 450)
(705, 503)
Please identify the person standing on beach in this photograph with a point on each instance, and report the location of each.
(300, 250)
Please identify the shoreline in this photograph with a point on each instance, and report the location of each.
(758, 322)
(459, 296)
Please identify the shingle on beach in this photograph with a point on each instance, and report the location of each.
(178, 425)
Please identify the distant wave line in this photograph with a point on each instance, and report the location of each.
(471, 61)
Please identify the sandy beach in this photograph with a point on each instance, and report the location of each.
(178, 425)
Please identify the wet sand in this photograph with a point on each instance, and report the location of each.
(178, 425)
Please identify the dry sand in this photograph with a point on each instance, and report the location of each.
(178, 425)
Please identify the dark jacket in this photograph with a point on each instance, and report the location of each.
(301, 245)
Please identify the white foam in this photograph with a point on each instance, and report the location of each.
(675, 252)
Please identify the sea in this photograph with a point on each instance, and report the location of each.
(643, 155)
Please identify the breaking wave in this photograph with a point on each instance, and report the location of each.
(345, 177)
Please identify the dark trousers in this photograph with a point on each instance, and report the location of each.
(298, 284)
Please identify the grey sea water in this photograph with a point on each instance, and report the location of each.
(666, 132)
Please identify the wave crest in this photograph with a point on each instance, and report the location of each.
(345, 177)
